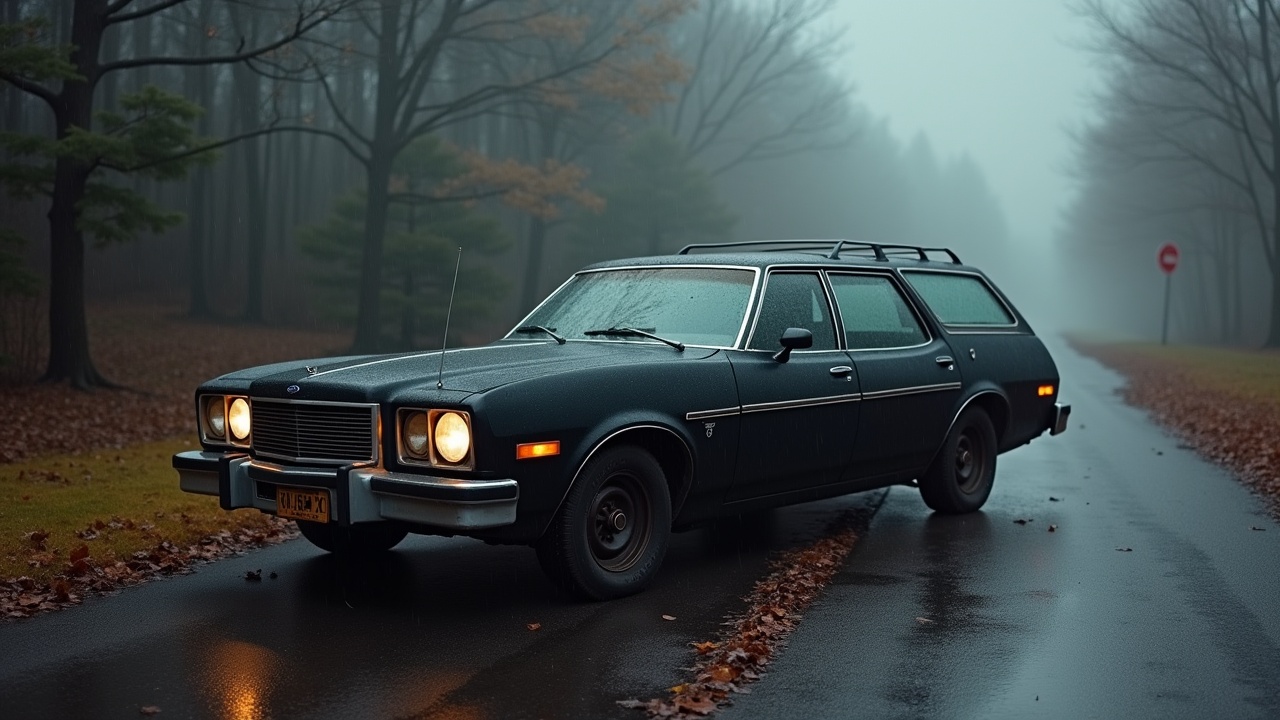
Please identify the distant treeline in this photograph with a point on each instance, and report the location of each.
(293, 161)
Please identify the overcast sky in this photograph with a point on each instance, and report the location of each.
(1000, 79)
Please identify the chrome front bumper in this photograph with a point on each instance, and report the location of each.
(356, 494)
(1061, 414)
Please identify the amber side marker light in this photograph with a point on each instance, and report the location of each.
(525, 451)
(1045, 390)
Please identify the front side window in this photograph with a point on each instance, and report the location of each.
(960, 299)
(695, 306)
(794, 300)
(874, 313)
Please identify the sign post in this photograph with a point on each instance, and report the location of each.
(1167, 259)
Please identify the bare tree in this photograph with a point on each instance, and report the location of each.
(759, 85)
(1201, 75)
(417, 50)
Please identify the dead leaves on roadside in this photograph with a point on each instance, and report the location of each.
(82, 574)
(1232, 429)
(723, 667)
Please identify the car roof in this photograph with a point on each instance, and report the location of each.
(766, 253)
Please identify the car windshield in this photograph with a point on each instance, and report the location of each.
(696, 306)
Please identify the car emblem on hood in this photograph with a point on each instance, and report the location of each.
(292, 389)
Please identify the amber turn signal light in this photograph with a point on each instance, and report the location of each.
(1045, 390)
(525, 451)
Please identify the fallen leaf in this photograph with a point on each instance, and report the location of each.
(1124, 549)
(704, 647)
(924, 621)
(273, 575)
(1021, 521)
(668, 617)
(149, 710)
(534, 627)
(1054, 499)
(1053, 528)
(79, 553)
(1257, 529)
(253, 575)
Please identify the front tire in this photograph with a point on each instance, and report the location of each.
(357, 539)
(611, 533)
(961, 476)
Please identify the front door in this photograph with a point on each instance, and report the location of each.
(799, 417)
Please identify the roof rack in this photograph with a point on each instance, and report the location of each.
(833, 247)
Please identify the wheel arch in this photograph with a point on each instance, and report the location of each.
(993, 403)
(667, 446)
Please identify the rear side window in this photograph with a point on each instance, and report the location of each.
(960, 299)
(874, 313)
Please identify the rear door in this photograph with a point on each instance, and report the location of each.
(799, 417)
(910, 381)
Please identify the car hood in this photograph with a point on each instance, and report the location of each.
(375, 378)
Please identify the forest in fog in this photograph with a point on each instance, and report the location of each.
(319, 162)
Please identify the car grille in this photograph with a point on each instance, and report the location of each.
(336, 433)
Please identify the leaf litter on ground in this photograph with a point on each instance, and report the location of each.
(739, 655)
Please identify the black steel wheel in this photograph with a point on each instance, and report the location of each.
(961, 476)
(611, 533)
(357, 539)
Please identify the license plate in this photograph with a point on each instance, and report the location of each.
(301, 504)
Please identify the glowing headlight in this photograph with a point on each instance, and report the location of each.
(238, 418)
(415, 434)
(453, 437)
(215, 409)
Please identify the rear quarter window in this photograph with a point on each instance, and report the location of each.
(960, 299)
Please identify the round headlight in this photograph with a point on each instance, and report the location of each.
(415, 434)
(238, 418)
(453, 437)
(215, 409)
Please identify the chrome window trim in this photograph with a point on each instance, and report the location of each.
(791, 269)
(982, 279)
(746, 315)
(376, 422)
(906, 297)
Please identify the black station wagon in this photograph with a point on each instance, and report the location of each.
(642, 397)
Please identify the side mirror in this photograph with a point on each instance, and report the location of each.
(793, 339)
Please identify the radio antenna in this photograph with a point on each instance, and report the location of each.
(444, 343)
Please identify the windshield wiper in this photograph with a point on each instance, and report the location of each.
(539, 328)
(622, 331)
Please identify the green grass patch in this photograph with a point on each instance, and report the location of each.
(114, 502)
(1251, 374)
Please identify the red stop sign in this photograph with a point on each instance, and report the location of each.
(1167, 258)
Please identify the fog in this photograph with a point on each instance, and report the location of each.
(318, 162)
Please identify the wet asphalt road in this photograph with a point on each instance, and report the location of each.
(980, 617)
(930, 617)
(436, 629)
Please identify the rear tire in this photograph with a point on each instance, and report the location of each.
(611, 534)
(961, 476)
(357, 539)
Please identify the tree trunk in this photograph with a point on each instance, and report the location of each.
(369, 309)
(382, 151)
(201, 89)
(255, 233)
(536, 240)
(69, 357)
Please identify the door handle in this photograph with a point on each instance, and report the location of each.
(946, 361)
(843, 371)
